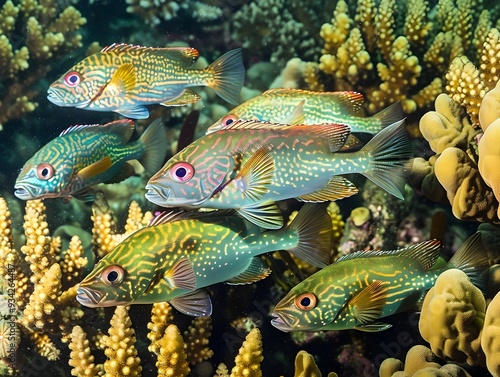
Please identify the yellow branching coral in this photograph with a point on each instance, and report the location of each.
(196, 340)
(81, 359)
(73, 261)
(120, 347)
(452, 318)
(419, 362)
(490, 338)
(161, 317)
(48, 32)
(172, 360)
(249, 356)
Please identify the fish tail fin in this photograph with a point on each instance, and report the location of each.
(472, 258)
(390, 155)
(154, 139)
(228, 75)
(389, 115)
(313, 225)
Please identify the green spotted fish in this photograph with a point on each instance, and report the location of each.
(180, 253)
(85, 155)
(296, 106)
(249, 165)
(361, 288)
(124, 78)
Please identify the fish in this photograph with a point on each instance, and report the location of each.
(297, 106)
(250, 165)
(84, 155)
(180, 253)
(125, 78)
(360, 288)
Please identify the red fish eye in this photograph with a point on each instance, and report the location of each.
(182, 172)
(306, 301)
(44, 171)
(228, 120)
(112, 275)
(72, 78)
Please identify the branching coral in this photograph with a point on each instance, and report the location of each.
(31, 33)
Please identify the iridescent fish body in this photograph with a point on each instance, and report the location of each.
(249, 165)
(361, 288)
(296, 106)
(83, 156)
(124, 78)
(179, 253)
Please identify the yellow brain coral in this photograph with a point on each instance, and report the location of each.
(452, 318)
(490, 339)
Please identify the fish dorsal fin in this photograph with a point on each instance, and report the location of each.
(95, 169)
(187, 56)
(366, 306)
(187, 97)
(266, 215)
(255, 271)
(256, 174)
(241, 124)
(335, 134)
(122, 127)
(124, 78)
(182, 275)
(171, 216)
(337, 188)
(297, 116)
(426, 253)
(195, 303)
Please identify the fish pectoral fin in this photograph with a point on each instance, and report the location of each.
(368, 304)
(124, 173)
(95, 169)
(85, 195)
(374, 327)
(255, 271)
(197, 303)
(124, 78)
(182, 275)
(256, 174)
(187, 97)
(137, 112)
(336, 188)
(297, 116)
(266, 215)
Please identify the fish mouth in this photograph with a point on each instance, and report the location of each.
(157, 194)
(57, 98)
(26, 191)
(89, 297)
(282, 321)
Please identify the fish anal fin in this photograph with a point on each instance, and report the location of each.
(187, 97)
(266, 215)
(335, 134)
(367, 305)
(137, 112)
(374, 327)
(255, 271)
(182, 275)
(124, 78)
(336, 188)
(297, 116)
(196, 303)
(256, 174)
(95, 169)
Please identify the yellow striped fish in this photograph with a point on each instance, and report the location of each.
(85, 155)
(124, 78)
(296, 106)
(179, 253)
(360, 288)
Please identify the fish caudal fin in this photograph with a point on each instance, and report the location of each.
(314, 228)
(228, 75)
(472, 259)
(390, 155)
(154, 140)
(389, 115)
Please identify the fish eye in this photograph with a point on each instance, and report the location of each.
(72, 78)
(112, 275)
(182, 172)
(44, 171)
(306, 301)
(228, 120)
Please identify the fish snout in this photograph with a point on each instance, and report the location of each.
(157, 194)
(281, 321)
(89, 297)
(26, 191)
(55, 97)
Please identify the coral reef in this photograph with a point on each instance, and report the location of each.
(32, 33)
